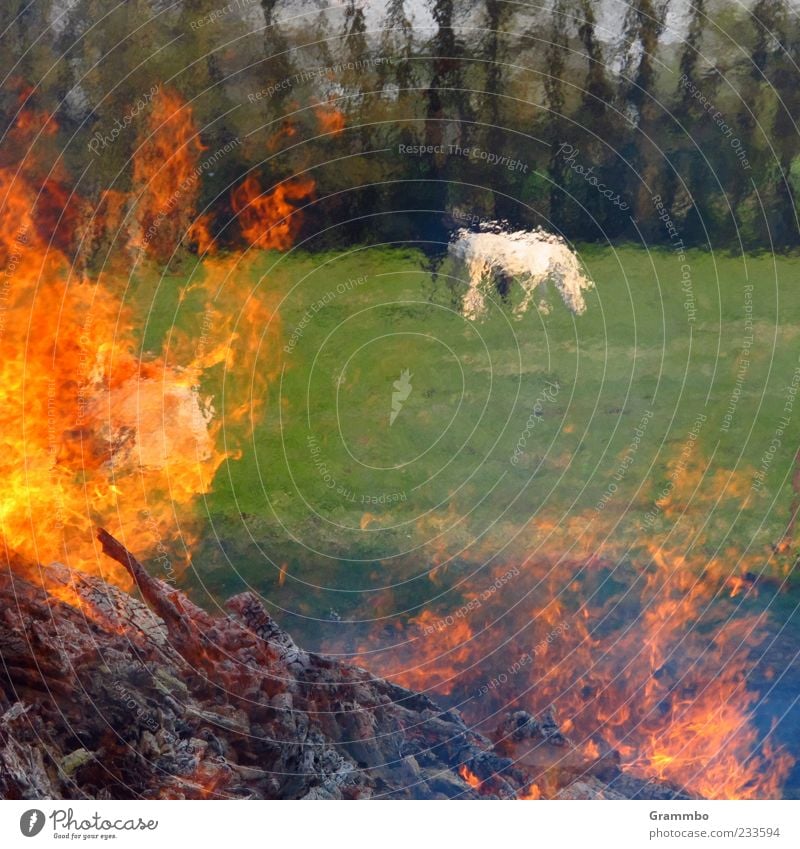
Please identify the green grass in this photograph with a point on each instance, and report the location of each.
(441, 474)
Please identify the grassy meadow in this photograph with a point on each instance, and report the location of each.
(641, 419)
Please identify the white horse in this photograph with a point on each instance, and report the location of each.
(493, 257)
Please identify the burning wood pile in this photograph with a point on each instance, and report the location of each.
(109, 697)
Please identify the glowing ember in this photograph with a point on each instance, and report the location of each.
(533, 792)
(469, 776)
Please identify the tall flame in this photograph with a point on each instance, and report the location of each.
(89, 430)
(92, 429)
(165, 177)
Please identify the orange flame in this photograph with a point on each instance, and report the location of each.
(285, 133)
(270, 220)
(93, 431)
(164, 171)
(469, 776)
(653, 662)
(199, 235)
(89, 430)
(533, 792)
(330, 119)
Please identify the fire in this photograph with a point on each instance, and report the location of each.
(533, 792)
(640, 650)
(207, 782)
(330, 119)
(237, 332)
(469, 777)
(268, 220)
(92, 429)
(199, 235)
(89, 429)
(285, 133)
(740, 584)
(164, 172)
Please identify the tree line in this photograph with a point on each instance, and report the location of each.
(706, 123)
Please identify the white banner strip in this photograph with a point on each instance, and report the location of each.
(401, 825)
